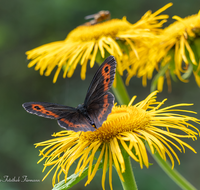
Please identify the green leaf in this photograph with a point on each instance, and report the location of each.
(156, 77)
(123, 46)
(172, 65)
(197, 45)
(98, 58)
(173, 75)
(196, 49)
(73, 179)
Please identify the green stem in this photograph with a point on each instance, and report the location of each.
(120, 91)
(173, 174)
(129, 182)
(123, 98)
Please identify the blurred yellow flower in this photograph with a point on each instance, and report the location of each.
(174, 52)
(113, 37)
(127, 129)
(180, 36)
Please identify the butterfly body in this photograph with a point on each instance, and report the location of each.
(88, 116)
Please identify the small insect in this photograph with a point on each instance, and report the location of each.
(90, 115)
(98, 17)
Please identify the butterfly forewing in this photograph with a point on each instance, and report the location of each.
(102, 80)
(99, 101)
(48, 110)
(68, 117)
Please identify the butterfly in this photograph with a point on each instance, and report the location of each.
(90, 115)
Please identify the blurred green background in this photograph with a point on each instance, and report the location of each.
(26, 24)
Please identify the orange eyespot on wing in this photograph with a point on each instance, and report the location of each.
(106, 76)
(41, 109)
(44, 109)
(102, 80)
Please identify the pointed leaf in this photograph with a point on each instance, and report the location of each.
(73, 179)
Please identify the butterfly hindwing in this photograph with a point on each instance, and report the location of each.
(101, 108)
(76, 122)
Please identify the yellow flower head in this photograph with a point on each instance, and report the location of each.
(181, 37)
(127, 129)
(176, 51)
(113, 37)
(173, 51)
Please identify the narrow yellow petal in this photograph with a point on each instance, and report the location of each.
(96, 166)
(160, 83)
(114, 156)
(129, 151)
(162, 9)
(191, 53)
(100, 43)
(94, 55)
(87, 52)
(110, 168)
(104, 167)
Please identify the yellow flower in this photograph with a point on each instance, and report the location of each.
(176, 51)
(141, 67)
(127, 129)
(114, 37)
(180, 37)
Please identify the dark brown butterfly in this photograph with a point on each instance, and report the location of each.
(89, 115)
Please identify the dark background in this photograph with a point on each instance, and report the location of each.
(26, 24)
